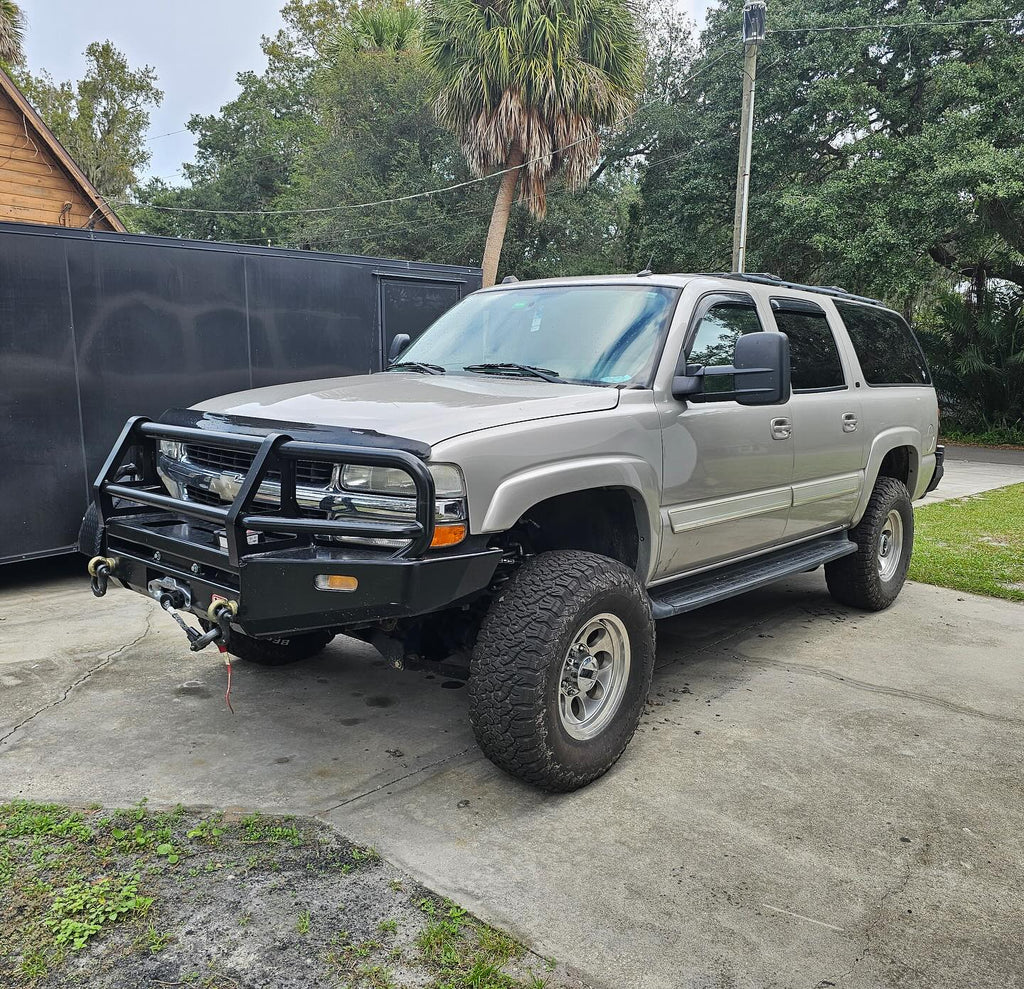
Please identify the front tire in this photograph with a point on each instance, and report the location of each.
(561, 669)
(278, 652)
(873, 577)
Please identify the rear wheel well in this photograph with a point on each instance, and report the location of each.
(896, 463)
(600, 520)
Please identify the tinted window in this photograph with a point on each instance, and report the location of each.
(888, 352)
(715, 341)
(813, 355)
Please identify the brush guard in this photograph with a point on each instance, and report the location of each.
(267, 557)
(273, 452)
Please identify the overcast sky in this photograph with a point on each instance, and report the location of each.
(196, 46)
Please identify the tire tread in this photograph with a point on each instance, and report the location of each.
(512, 659)
(854, 579)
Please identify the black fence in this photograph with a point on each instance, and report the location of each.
(96, 327)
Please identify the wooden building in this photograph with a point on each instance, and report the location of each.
(39, 180)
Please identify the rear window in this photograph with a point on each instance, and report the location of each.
(888, 352)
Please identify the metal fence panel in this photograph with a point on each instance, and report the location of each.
(95, 327)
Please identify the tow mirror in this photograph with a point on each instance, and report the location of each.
(398, 343)
(760, 371)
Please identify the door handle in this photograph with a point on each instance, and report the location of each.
(782, 429)
(849, 422)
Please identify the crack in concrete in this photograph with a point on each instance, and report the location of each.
(877, 916)
(400, 779)
(106, 661)
(877, 688)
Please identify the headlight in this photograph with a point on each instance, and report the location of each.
(387, 493)
(448, 482)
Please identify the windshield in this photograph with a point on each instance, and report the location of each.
(595, 334)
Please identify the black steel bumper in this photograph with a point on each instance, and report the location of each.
(268, 559)
(940, 456)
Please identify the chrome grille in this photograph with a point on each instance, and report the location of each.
(315, 473)
(203, 497)
(236, 461)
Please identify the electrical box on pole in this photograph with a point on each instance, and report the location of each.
(753, 34)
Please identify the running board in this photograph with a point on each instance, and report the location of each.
(689, 593)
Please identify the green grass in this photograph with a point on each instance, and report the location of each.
(973, 544)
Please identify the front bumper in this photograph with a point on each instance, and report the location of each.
(269, 562)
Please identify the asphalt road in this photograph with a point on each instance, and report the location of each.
(986, 454)
(815, 798)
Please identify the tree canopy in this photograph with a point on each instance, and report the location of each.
(102, 119)
(882, 157)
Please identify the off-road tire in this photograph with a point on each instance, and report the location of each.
(517, 662)
(90, 533)
(854, 579)
(277, 652)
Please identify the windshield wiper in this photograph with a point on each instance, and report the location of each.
(416, 366)
(528, 370)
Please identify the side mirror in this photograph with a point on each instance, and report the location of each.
(398, 344)
(762, 369)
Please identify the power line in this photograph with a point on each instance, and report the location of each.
(410, 196)
(170, 133)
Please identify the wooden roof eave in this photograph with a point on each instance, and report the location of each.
(59, 152)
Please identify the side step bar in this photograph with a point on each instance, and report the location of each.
(689, 593)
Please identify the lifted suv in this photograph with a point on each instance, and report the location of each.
(551, 467)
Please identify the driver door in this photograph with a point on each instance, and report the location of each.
(728, 468)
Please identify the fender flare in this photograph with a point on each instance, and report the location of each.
(517, 494)
(883, 443)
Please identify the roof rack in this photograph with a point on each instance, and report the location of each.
(765, 278)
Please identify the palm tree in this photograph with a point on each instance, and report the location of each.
(385, 27)
(12, 33)
(526, 85)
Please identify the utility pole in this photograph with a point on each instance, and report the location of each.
(753, 35)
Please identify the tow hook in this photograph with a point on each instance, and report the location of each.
(101, 569)
(172, 596)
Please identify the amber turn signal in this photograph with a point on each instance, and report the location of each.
(335, 582)
(448, 535)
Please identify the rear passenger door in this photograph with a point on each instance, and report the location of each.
(828, 440)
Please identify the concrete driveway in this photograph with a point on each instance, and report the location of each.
(815, 798)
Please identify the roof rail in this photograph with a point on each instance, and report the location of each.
(764, 278)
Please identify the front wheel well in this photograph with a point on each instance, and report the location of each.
(599, 520)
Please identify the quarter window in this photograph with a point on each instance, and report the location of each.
(715, 341)
(813, 354)
(886, 348)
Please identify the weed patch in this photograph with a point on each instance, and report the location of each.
(139, 897)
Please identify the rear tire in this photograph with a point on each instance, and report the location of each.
(278, 652)
(873, 577)
(561, 669)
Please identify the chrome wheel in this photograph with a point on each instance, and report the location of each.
(890, 545)
(594, 675)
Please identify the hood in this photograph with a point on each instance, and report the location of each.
(429, 408)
